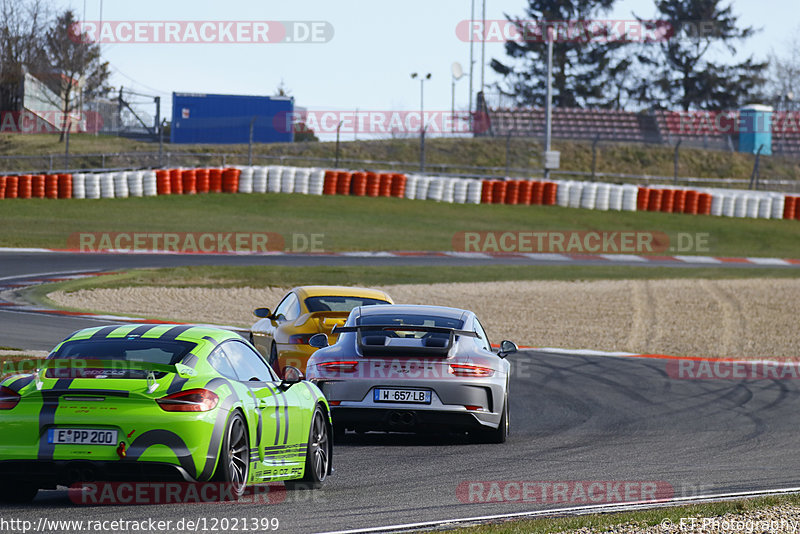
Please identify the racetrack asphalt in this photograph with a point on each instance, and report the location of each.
(573, 418)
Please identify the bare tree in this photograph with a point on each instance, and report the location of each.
(783, 86)
(76, 66)
(23, 26)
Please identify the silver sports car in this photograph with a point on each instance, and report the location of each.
(405, 368)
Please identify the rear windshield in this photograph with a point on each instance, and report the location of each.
(409, 320)
(166, 352)
(341, 304)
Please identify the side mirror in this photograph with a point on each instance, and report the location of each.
(291, 376)
(318, 341)
(263, 313)
(507, 347)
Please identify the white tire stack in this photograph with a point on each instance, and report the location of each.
(92, 185)
(246, 180)
(274, 179)
(562, 193)
(107, 185)
(474, 191)
(448, 190)
(615, 193)
(149, 185)
(79, 185)
(316, 181)
(460, 191)
(287, 180)
(629, 195)
(302, 177)
(411, 186)
(259, 179)
(777, 206)
(435, 189)
(422, 187)
(135, 183)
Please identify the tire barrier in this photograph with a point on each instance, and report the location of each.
(38, 185)
(245, 180)
(329, 187)
(230, 180)
(363, 183)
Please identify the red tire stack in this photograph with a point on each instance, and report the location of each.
(550, 194)
(358, 184)
(189, 181)
(512, 192)
(691, 202)
(203, 180)
(486, 192)
(373, 184)
(163, 182)
(329, 186)
(51, 186)
(230, 180)
(25, 186)
(498, 192)
(175, 181)
(215, 180)
(343, 180)
(398, 185)
(12, 187)
(38, 188)
(64, 186)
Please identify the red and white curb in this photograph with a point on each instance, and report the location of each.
(554, 257)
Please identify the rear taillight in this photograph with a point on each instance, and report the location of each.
(299, 339)
(8, 398)
(470, 371)
(339, 367)
(192, 400)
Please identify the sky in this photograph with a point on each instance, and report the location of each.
(367, 63)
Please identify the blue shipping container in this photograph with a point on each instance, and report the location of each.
(226, 119)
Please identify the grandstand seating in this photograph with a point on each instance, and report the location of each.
(709, 129)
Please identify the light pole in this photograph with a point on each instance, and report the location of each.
(422, 80)
(458, 72)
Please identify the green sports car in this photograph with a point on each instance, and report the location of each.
(159, 403)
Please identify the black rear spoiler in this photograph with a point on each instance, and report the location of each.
(376, 345)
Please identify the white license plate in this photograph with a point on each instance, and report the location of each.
(81, 436)
(402, 395)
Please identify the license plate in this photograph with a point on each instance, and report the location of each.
(402, 395)
(81, 436)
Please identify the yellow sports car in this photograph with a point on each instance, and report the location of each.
(282, 335)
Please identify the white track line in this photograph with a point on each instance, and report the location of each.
(575, 510)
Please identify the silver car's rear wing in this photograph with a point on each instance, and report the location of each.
(383, 339)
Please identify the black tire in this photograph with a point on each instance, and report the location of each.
(317, 456)
(499, 434)
(17, 492)
(234, 458)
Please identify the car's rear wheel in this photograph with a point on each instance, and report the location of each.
(317, 456)
(499, 434)
(17, 492)
(234, 459)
